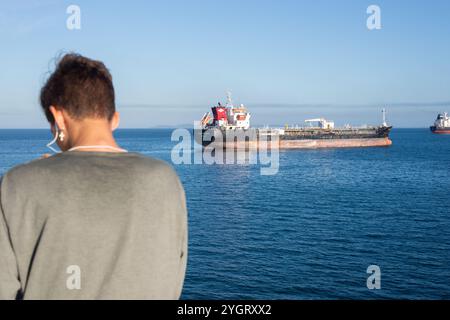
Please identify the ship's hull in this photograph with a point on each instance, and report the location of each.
(335, 143)
(439, 130)
(304, 138)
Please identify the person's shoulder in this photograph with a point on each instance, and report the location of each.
(26, 174)
(27, 168)
(150, 171)
(153, 165)
(148, 161)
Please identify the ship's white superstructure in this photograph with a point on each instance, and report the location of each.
(442, 121)
(321, 123)
(228, 116)
(442, 124)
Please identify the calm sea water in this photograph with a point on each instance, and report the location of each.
(311, 231)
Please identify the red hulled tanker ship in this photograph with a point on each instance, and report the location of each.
(319, 133)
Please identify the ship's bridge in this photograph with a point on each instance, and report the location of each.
(228, 116)
(239, 117)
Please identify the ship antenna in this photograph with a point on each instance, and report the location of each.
(384, 117)
(229, 99)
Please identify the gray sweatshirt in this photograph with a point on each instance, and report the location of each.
(92, 225)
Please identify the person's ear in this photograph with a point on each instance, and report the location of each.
(115, 121)
(59, 117)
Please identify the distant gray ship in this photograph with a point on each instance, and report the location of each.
(442, 124)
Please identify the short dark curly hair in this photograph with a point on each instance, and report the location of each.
(81, 86)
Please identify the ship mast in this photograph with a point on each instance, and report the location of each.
(229, 99)
(384, 117)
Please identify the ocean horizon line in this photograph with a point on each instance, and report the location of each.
(191, 127)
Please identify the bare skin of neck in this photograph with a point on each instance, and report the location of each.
(90, 132)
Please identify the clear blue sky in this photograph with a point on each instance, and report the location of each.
(286, 60)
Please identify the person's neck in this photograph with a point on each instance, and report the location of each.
(94, 133)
